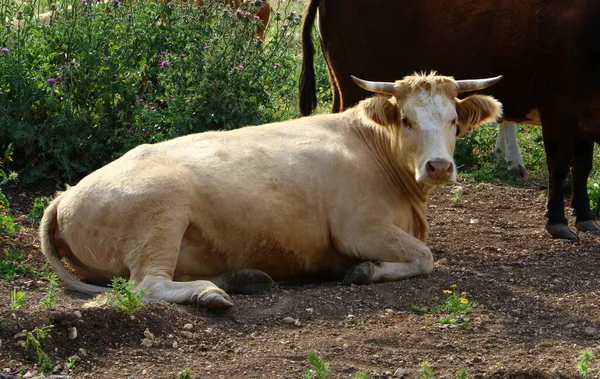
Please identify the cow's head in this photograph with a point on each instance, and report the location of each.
(424, 117)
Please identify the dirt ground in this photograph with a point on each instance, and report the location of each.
(536, 310)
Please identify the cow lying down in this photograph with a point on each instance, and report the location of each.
(336, 196)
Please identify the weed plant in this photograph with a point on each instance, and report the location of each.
(37, 211)
(17, 299)
(49, 299)
(124, 296)
(11, 266)
(456, 305)
(34, 346)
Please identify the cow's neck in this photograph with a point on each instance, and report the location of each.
(400, 177)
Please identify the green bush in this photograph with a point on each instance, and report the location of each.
(101, 78)
(37, 211)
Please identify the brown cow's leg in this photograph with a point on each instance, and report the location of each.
(581, 168)
(558, 131)
(396, 255)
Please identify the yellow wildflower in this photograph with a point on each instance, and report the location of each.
(463, 294)
(453, 286)
(464, 300)
(447, 292)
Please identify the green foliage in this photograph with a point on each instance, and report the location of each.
(101, 78)
(10, 266)
(2, 323)
(124, 296)
(185, 374)
(456, 304)
(49, 300)
(584, 362)
(7, 222)
(71, 362)
(17, 299)
(426, 371)
(33, 345)
(318, 368)
(37, 211)
(461, 374)
(361, 375)
(476, 160)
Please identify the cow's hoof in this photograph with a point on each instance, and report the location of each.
(248, 282)
(561, 231)
(587, 226)
(360, 274)
(519, 171)
(213, 300)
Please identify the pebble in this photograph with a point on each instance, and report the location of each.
(72, 333)
(310, 310)
(148, 334)
(473, 221)
(589, 331)
(78, 315)
(188, 327)
(175, 345)
(570, 326)
(28, 374)
(57, 369)
(399, 373)
(187, 334)
(20, 335)
(147, 342)
(82, 352)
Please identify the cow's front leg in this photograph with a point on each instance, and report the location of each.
(581, 168)
(390, 254)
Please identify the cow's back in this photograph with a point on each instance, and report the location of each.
(384, 40)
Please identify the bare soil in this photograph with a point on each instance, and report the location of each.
(536, 309)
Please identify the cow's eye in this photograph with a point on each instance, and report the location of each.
(406, 122)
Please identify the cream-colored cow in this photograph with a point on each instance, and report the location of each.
(341, 195)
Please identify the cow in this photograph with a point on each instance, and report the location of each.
(333, 196)
(547, 51)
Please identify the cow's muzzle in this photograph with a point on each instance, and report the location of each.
(439, 170)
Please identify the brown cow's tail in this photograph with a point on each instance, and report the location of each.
(47, 229)
(307, 91)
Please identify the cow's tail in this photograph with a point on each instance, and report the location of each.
(307, 91)
(47, 230)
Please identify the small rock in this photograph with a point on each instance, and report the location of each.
(589, 331)
(72, 333)
(147, 342)
(289, 320)
(310, 310)
(78, 314)
(144, 372)
(175, 345)
(57, 369)
(570, 326)
(399, 373)
(473, 221)
(28, 374)
(148, 335)
(187, 334)
(82, 352)
(188, 327)
(20, 335)
(75, 358)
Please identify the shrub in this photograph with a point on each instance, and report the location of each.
(101, 78)
(11, 266)
(34, 346)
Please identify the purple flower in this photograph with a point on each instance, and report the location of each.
(7, 26)
(284, 26)
(83, 1)
(63, 67)
(185, 16)
(181, 56)
(256, 17)
(115, 2)
(140, 100)
(164, 64)
(241, 67)
(171, 5)
(260, 42)
(20, 12)
(206, 47)
(72, 63)
(51, 80)
(277, 64)
(4, 50)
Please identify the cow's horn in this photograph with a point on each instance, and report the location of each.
(476, 84)
(385, 88)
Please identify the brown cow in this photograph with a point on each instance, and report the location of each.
(547, 50)
(201, 215)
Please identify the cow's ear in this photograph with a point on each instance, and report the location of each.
(379, 111)
(476, 110)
